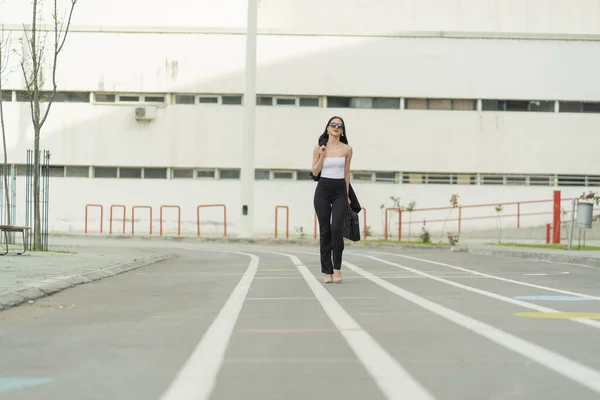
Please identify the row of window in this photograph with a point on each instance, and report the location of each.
(419, 178)
(399, 103)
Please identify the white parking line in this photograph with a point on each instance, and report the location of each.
(590, 322)
(492, 276)
(579, 373)
(196, 379)
(393, 380)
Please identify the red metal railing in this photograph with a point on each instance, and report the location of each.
(212, 205)
(111, 216)
(461, 210)
(178, 218)
(287, 220)
(87, 206)
(399, 211)
(133, 218)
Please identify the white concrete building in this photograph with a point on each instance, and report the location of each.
(495, 100)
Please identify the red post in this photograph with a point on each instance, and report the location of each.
(212, 205)
(548, 233)
(399, 211)
(364, 221)
(101, 215)
(287, 220)
(556, 220)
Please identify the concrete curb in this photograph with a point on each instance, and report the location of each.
(532, 255)
(48, 287)
(263, 241)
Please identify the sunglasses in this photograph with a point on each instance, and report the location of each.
(335, 125)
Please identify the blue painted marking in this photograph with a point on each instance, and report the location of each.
(7, 384)
(554, 298)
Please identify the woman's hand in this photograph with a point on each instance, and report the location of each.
(349, 201)
(322, 152)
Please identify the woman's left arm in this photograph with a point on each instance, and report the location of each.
(347, 172)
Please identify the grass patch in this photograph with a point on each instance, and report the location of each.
(551, 246)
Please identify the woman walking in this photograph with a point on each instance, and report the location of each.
(331, 158)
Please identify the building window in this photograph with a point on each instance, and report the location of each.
(182, 173)
(154, 99)
(310, 102)
(232, 100)
(155, 173)
(261, 174)
(283, 175)
(579, 107)
(129, 99)
(72, 97)
(208, 100)
(130, 173)
(285, 101)
(303, 176)
(78, 172)
(105, 172)
(415, 104)
(229, 174)
(185, 99)
(104, 98)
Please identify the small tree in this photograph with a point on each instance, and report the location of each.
(453, 203)
(499, 208)
(410, 208)
(4, 46)
(395, 204)
(40, 100)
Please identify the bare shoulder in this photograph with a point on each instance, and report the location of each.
(348, 150)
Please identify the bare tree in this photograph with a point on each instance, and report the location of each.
(4, 46)
(40, 100)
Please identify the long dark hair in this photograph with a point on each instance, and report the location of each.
(324, 138)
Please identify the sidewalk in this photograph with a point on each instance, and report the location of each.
(36, 274)
(584, 257)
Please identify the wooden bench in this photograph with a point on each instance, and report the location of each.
(13, 228)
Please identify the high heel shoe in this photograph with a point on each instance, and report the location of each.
(328, 279)
(337, 279)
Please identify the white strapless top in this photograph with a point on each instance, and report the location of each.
(333, 167)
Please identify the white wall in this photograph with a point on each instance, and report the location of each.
(383, 140)
(410, 67)
(349, 16)
(68, 197)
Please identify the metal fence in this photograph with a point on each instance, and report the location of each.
(44, 172)
(28, 200)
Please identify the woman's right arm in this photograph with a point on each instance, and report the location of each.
(318, 157)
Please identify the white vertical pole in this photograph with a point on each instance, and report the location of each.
(247, 170)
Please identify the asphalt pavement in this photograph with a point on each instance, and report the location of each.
(254, 321)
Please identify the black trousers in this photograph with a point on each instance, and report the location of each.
(331, 202)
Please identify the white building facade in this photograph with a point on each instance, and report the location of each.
(493, 100)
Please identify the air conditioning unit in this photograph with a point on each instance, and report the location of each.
(145, 113)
